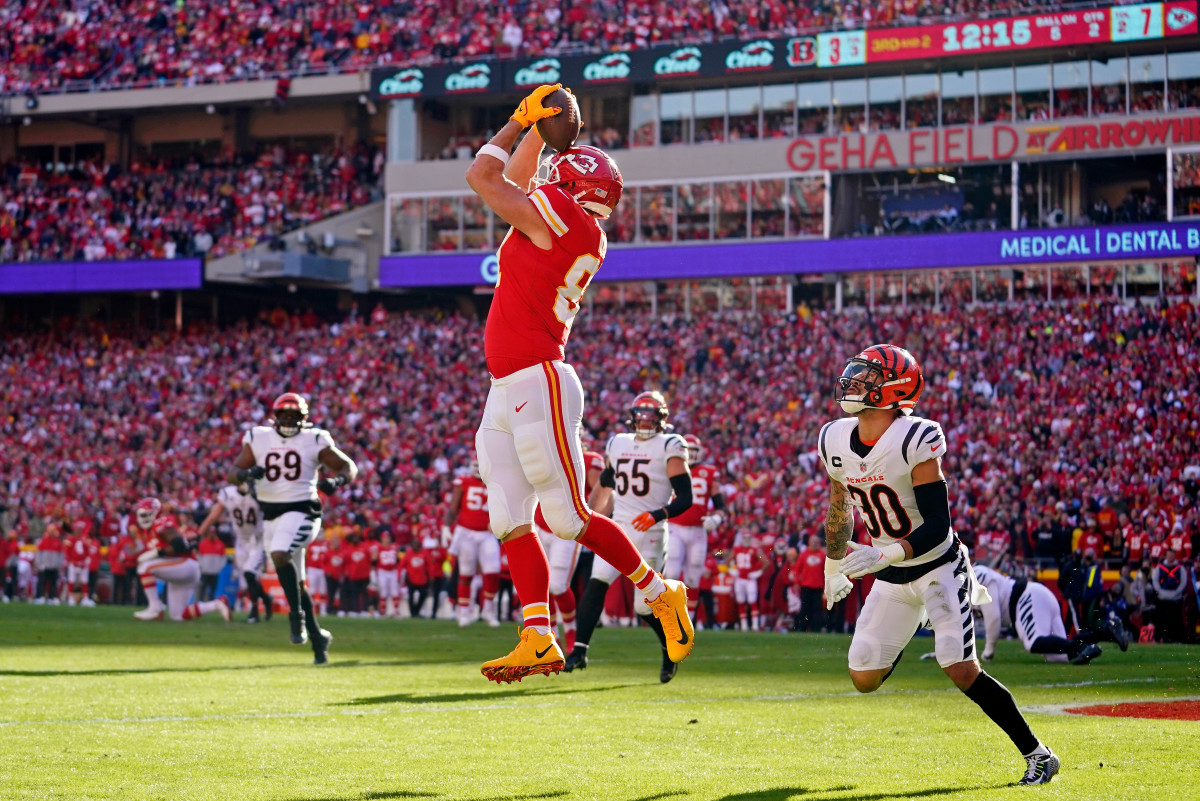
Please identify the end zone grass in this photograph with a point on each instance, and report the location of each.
(99, 706)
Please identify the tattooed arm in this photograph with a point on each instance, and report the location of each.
(839, 528)
(839, 521)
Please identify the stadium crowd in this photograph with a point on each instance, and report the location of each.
(165, 208)
(1073, 430)
(110, 44)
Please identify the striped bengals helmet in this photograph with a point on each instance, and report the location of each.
(881, 377)
(648, 414)
(290, 413)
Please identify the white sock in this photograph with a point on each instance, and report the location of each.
(1041, 750)
(655, 588)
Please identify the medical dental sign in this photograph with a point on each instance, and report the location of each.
(1101, 243)
(1054, 29)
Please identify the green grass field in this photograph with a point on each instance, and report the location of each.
(99, 706)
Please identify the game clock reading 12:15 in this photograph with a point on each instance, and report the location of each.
(1003, 34)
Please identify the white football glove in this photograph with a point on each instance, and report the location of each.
(710, 522)
(837, 586)
(869, 559)
(447, 536)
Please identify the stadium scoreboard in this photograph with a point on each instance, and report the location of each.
(1058, 29)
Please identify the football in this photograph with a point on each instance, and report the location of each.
(561, 130)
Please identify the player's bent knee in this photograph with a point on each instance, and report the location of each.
(564, 524)
(963, 674)
(866, 681)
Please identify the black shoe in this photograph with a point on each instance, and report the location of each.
(1120, 636)
(267, 610)
(321, 652)
(253, 618)
(1086, 654)
(577, 659)
(1040, 768)
(296, 621)
(668, 671)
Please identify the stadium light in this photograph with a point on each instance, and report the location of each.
(947, 179)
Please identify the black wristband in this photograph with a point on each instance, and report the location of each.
(659, 515)
(608, 478)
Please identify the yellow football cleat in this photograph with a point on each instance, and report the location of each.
(671, 610)
(535, 653)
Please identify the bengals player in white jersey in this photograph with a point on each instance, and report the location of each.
(248, 553)
(645, 482)
(284, 459)
(689, 531)
(528, 441)
(1034, 612)
(168, 557)
(888, 465)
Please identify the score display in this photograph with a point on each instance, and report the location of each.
(1056, 29)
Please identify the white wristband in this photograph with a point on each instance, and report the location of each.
(894, 552)
(495, 151)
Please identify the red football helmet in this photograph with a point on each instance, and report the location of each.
(146, 511)
(881, 377)
(695, 448)
(290, 412)
(648, 414)
(587, 174)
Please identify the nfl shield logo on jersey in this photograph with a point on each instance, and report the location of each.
(862, 466)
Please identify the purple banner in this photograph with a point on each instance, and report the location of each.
(101, 276)
(986, 249)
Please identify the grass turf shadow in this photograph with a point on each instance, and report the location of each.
(797, 793)
(452, 698)
(382, 795)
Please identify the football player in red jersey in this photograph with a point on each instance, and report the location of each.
(689, 531)
(75, 550)
(387, 570)
(888, 465)
(166, 556)
(315, 564)
(472, 544)
(746, 564)
(528, 442)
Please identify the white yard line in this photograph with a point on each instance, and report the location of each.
(1061, 709)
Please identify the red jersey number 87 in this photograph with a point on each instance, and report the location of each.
(566, 305)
